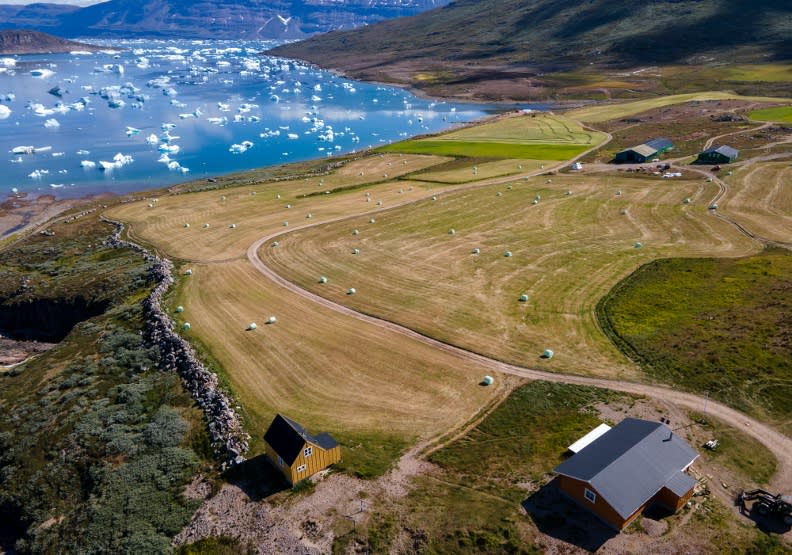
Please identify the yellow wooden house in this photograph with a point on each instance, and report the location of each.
(295, 452)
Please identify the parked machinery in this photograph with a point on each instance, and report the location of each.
(767, 504)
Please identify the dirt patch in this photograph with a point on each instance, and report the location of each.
(14, 352)
(19, 212)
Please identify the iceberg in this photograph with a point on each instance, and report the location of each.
(240, 148)
(131, 131)
(42, 72)
(7, 62)
(5, 111)
(52, 124)
(88, 164)
(152, 139)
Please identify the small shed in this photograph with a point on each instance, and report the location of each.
(295, 452)
(644, 152)
(720, 155)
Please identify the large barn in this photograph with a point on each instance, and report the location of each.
(626, 469)
(644, 152)
(720, 155)
(295, 452)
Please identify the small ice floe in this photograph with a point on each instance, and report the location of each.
(169, 148)
(38, 174)
(5, 111)
(42, 72)
(131, 131)
(52, 123)
(152, 139)
(88, 164)
(239, 148)
(7, 62)
(119, 160)
(83, 152)
(56, 185)
(217, 121)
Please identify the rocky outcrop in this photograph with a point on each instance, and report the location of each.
(32, 42)
(225, 427)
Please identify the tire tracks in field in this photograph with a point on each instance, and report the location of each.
(776, 442)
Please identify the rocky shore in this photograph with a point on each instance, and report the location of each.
(225, 427)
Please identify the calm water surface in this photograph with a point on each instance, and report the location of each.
(160, 112)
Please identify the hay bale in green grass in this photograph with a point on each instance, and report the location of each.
(637, 245)
(509, 187)
(271, 320)
(507, 254)
(251, 326)
(286, 224)
(222, 198)
(253, 193)
(309, 216)
(488, 380)
(498, 194)
(713, 206)
(188, 273)
(351, 291)
(379, 203)
(232, 226)
(434, 198)
(355, 232)
(372, 220)
(186, 326)
(476, 251)
(179, 309)
(150, 205)
(686, 201)
(452, 231)
(288, 206)
(623, 211)
(186, 225)
(523, 298)
(548, 354)
(322, 279)
(618, 193)
(277, 197)
(355, 251)
(275, 243)
(568, 193)
(534, 201)
(205, 226)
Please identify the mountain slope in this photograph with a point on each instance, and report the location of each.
(20, 41)
(228, 19)
(519, 38)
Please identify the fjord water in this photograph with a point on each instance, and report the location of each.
(178, 110)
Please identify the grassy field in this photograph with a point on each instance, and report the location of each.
(759, 197)
(468, 170)
(608, 112)
(567, 251)
(780, 114)
(537, 136)
(716, 326)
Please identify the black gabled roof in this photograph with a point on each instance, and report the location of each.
(287, 438)
(631, 462)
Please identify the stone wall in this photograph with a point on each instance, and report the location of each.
(225, 427)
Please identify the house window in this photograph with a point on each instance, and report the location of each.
(308, 451)
(301, 468)
(590, 495)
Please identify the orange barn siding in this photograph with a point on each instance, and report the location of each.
(575, 489)
(316, 462)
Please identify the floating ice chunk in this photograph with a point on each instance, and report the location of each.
(88, 164)
(58, 155)
(8, 97)
(164, 158)
(152, 139)
(42, 72)
(56, 185)
(38, 174)
(5, 111)
(293, 136)
(170, 91)
(131, 131)
(169, 148)
(239, 148)
(217, 121)
(7, 62)
(116, 103)
(52, 124)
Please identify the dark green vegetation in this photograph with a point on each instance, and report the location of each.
(214, 546)
(721, 326)
(96, 444)
(491, 150)
(526, 49)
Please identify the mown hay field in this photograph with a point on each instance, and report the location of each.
(760, 198)
(780, 114)
(537, 136)
(566, 251)
(258, 209)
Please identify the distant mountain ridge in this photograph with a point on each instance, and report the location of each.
(19, 41)
(224, 19)
(521, 39)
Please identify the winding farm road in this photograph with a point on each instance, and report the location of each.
(776, 442)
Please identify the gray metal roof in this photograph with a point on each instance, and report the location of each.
(287, 438)
(727, 151)
(681, 483)
(630, 463)
(659, 143)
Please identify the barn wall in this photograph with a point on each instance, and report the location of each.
(575, 489)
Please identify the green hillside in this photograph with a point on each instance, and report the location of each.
(472, 44)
